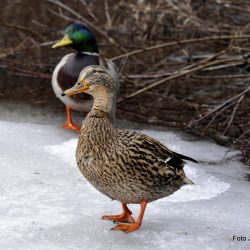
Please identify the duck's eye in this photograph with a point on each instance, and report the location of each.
(78, 84)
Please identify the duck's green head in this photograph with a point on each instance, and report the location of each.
(78, 37)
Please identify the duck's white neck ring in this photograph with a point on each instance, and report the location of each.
(90, 53)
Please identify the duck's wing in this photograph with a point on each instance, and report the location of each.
(144, 146)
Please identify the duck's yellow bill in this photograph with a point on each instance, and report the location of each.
(64, 42)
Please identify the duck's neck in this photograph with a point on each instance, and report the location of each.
(105, 102)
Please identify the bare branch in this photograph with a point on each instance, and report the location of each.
(186, 41)
(220, 106)
(20, 27)
(233, 114)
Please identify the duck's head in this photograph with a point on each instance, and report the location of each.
(94, 80)
(78, 37)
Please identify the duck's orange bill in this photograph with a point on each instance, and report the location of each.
(77, 88)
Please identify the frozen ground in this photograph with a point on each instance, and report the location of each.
(45, 203)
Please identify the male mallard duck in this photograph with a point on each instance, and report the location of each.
(82, 39)
(124, 165)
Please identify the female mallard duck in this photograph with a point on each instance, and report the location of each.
(80, 38)
(124, 165)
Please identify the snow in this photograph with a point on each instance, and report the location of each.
(45, 202)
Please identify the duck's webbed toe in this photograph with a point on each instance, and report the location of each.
(125, 217)
(127, 228)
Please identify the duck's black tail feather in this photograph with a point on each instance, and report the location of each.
(177, 162)
(183, 157)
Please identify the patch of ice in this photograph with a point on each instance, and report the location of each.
(205, 187)
(65, 151)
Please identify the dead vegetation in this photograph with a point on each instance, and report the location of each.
(182, 63)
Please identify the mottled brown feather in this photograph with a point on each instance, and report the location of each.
(126, 165)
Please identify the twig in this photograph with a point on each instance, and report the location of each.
(11, 51)
(235, 141)
(208, 59)
(227, 5)
(186, 41)
(233, 114)
(20, 27)
(215, 116)
(221, 76)
(47, 43)
(22, 72)
(203, 61)
(220, 106)
(229, 65)
(108, 17)
(63, 16)
(147, 76)
(93, 16)
(36, 75)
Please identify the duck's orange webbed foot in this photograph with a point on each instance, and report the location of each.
(71, 126)
(124, 217)
(69, 123)
(128, 228)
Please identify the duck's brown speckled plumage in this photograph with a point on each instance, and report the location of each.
(126, 165)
